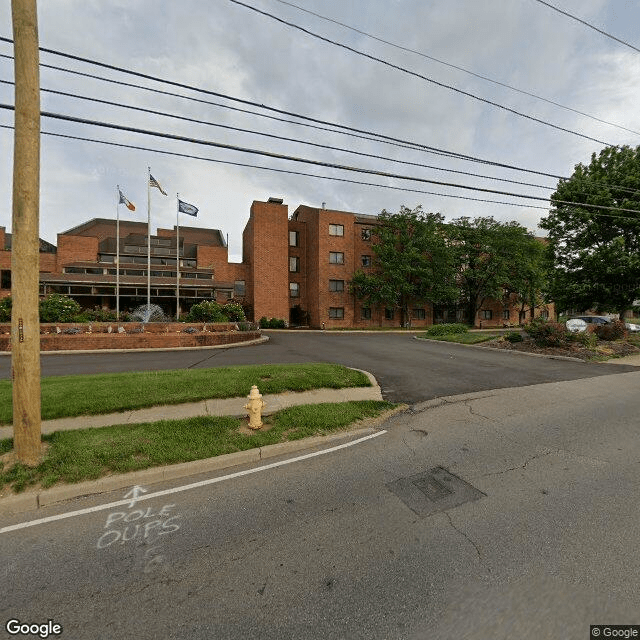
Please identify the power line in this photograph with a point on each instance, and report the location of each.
(335, 179)
(286, 171)
(458, 68)
(584, 22)
(287, 139)
(350, 131)
(331, 165)
(419, 75)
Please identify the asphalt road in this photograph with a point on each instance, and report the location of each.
(343, 546)
(407, 369)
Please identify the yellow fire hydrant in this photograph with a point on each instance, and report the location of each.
(255, 406)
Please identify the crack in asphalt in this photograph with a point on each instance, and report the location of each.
(439, 402)
(522, 466)
(475, 413)
(464, 535)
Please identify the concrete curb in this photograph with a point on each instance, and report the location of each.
(248, 343)
(20, 503)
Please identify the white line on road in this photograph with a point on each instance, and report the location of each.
(186, 487)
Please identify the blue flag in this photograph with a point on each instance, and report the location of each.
(189, 209)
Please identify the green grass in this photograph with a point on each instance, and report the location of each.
(462, 338)
(68, 396)
(87, 454)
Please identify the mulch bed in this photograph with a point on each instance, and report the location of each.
(603, 350)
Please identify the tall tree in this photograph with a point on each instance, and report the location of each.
(490, 257)
(411, 263)
(595, 252)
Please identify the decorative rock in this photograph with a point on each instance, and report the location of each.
(121, 330)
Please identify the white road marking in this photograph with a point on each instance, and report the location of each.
(187, 487)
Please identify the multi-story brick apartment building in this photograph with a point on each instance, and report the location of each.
(296, 268)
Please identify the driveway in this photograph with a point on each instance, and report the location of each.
(408, 370)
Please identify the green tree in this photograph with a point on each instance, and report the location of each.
(411, 263)
(596, 253)
(494, 259)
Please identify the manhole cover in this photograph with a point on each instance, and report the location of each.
(433, 491)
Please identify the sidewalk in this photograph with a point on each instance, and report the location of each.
(213, 407)
(36, 499)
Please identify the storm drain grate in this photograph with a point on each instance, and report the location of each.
(433, 491)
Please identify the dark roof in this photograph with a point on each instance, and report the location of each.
(45, 247)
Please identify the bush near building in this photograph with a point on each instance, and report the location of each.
(58, 308)
(447, 329)
(273, 323)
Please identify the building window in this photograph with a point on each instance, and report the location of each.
(5, 282)
(239, 287)
(336, 230)
(336, 257)
(337, 313)
(294, 264)
(366, 234)
(365, 313)
(419, 314)
(506, 314)
(544, 314)
(388, 314)
(336, 285)
(366, 261)
(293, 238)
(487, 314)
(294, 289)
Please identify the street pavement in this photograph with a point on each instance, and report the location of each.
(534, 534)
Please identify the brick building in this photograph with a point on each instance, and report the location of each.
(295, 268)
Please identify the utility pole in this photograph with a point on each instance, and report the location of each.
(25, 244)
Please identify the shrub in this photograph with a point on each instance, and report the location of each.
(587, 338)
(612, 331)
(548, 334)
(233, 311)
(97, 315)
(513, 336)
(5, 309)
(206, 311)
(58, 308)
(273, 323)
(446, 329)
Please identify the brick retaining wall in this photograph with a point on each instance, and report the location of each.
(156, 335)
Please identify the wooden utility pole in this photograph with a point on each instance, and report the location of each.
(25, 243)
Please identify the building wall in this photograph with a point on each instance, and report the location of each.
(76, 249)
(268, 259)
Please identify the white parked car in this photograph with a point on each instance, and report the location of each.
(633, 327)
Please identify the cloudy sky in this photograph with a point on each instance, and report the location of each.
(222, 47)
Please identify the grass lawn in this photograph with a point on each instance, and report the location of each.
(69, 396)
(462, 338)
(87, 454)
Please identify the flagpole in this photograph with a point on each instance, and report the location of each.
(148, 242)
(118, 258)
(178, 258)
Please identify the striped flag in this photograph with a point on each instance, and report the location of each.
(154, 183)
(124, 201)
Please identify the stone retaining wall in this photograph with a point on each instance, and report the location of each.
(132, 335)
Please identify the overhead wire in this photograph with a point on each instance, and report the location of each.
(279, 156)
(588, 24)
(345, 129)
(419, 75)
(332, 178)
(459, 68)
(284, 138)
(273, 169)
